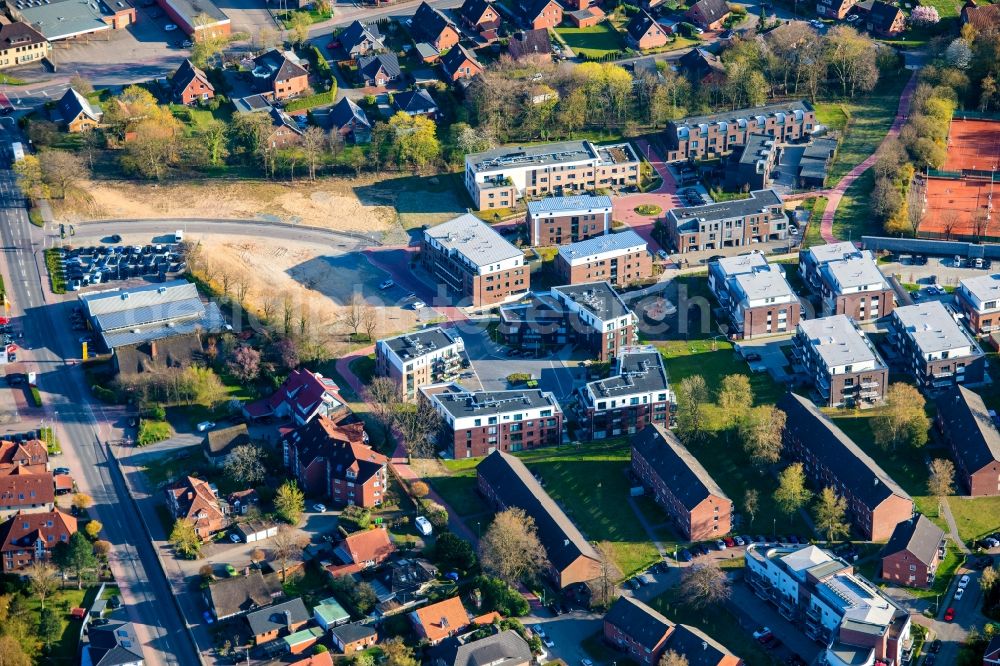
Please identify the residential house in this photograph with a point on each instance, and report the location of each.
(218, 444)
(835, 607)
(498, 178)
(75, 112)
(280, 74)
(272, 622)
(839, 362)
(530, 43)
(430, 25)
(459, 63)
(238, 595)
(21, 491)
(755, 295)
(428, 356)
(112, 642)
(812, 259)
(635, 395)
(540, 14)
(875, 503)
(475, 424)
(189, 84)
(29, 537)
(195, 499)
(984, 19)
(329, 614)
(415, 103)
(240, 501)
(560, 220)
(473, 262)
(303, 396)
(362, 550)
(350, 121)
(504, 648)
(378, 69)
(436, 622)
(351, 638)
(20, 43)
(302, 640)
(938, 351)
(316, 659)
(749, 167)
(30, 455)
(708, 14)
(970, 430)
(702, 67)
(737, 223)
(643, 32)
(284, 131)
(359, 39)
(622, 259)
(979, 299)
(585, 17)
(834, 9)
(590, 315)
(694, 502)
(156, 356)
(855, 286)
(482, 18)
(882, 19)
(505, 482)
(913, 552)
(402, 583)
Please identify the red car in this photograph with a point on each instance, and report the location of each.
(949, 615)
(335, 44)
(729, 542)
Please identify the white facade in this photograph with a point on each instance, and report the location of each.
(416, 362)
(528, 416)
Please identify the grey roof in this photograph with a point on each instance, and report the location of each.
(473, 239)
(252, 103)
(344, 111)
(933, 329)
(763, 284)
(919, 536)
(538, 155)
(505, 648)
(854, 272)
(349, 633)
(882, 15)
(190, 9)
(66, 18)
(744, 263)
(72, 104)
(689, 482)
(643, 624)
(414, 345)
(639, 25)
(284, 65)
(278, 616)
(622, 240)
(598, 298)
(838, 341)
(356, 33)
(821, 254)
(758, 148)
(222, 441)
(114, 643)
(529, 42)
(369, 66)
(583, 203)
(969, 428)
(414, 102)
(428, 23)
(456, 57)
(635, 372)
(239, 594)
(758, 201)
(790, 108)
(517, 487)
(699, 648)
(461, 404)
(426, 51)
(984, 287)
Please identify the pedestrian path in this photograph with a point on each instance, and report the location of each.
(953, 526)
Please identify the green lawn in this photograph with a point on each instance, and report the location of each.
(364, 368)
(904, 466)
(946, 8)
(975, 516)
(854, 218)
(713, 360)
(942, 579)
(812, 233)
(64, 652)
(459, 488)
(593, 42)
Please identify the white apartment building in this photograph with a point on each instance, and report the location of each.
(416, 359)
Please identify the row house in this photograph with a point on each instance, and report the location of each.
(854, 286)
(857, 623)
(498, 178)
(412, 360)
(621, 259)
(693, 501)
(473, 262)
(505, 482)
(330, 459)
(738, 223)
(935, 347)
(21, 490)
(875, 503)
(970, 430)
(561, 220)
(592, 316)
(31, 456)
(755, 295)
(913, 553)
(979, 299)
(750, 167)
(716, 134)
(26, 538)
(635, 395)
(477, 423)
(812, 260)
(840, 363)
(196, 500)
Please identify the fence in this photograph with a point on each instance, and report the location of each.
(938, 245)
(964, 173)
(963, 114)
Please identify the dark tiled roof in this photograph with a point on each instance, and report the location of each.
(239, 594)
(369, 66)
(185, 74)
(344, 111)
(918, 535)
(414, 101)
(282, 67)
(643, 624)
(222, 441)
(19, 34)
(473, 10)
(673, 463)
(428, 23)
(501, 649)
(711, 10)
(639, 25)
(456, 57)
(340, 445)
(982, 18)
(178, 351)
(699, 63)
(882, 15)
(114, 643)
(516, 487)
(275, 618)
(699, 648)
(349, 633)
(356, 33)
(73, 104)
(969, 427)
(529, 42)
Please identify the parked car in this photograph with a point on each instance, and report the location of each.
(419, 305)
(234, 537)
(114, 602)
(423, 525)
(319, 508)
(685, 555)
(730, 542)
(205, 425)
(963, 581)
(538, 631)
(764, 631)
(949, 615)
(958, 593)
(386, 285)
(720, 545)
(65, 470)
(738, 540)
(752, 357)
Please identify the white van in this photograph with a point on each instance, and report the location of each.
(423, 526)
(179, 236)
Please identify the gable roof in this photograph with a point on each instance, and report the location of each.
(700, 63)
(341, 446)
(456, 57)
(222, 441)
(700, 648)
(239, 594)
(22, 488)
(277, 617)
(532, 9)
(369, 66)
(303, 392)
(500, 649)
(639, 25)
(31, 452)
(982, 18)
(643, 624)
(918, 535)
(710, 10)
(319, 659)
(358, 32)
(428, 23)
(194, 496)
(882, 15)
(473, 10)
(353, 632)
(345, 111)
(529, 42)
(970, 428)
(176, 351)
(185, 75)
(368, 545)
(517, 487)
(114, 643)
(687, 479)
(442, 619)
(23, 529)
(284, 65)
(414, 102)
(72, 104)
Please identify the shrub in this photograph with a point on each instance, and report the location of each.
(36, 396)
(151, 432)
(319, 99)
(360, 516)
(501, 597)
(518, 377)
(648, 209)
(105, 395)
(436, 513)
(155, 412)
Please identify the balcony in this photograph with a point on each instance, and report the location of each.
(869, 385)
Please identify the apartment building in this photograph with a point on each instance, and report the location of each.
(737, 223)
(971, 432)
(841, 364)
(750, 166)
(913, 553)
(20, 43)
(716, 134)
(755, 295)
(417, 359)
(875, 503)
(979, 299)
(498, 178)
(835, 606)
(637, 394)
(473, 262)
(477, 423)
(695, 504)
(590, 315)
(854, 286)
(560, 220)
(938, 351)
(621, 259)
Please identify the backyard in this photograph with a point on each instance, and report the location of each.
(594, 42)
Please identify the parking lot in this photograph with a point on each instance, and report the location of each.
(930, 270)
(99, 264)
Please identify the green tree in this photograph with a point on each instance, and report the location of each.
(903, 420)
(185, 540)
(299, 27)
(290, 502)
(213, 134)
(76, 555)
(831, 514)
(49, 627)
(396, 653)
(453, 553)
(29, 177)
(571, 111)
(11, 652)
(691, 399)
(792, 493)
(414, 141)
(735, 398)
(761, 432)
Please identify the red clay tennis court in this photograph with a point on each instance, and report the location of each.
(973, 144)
(953, 206)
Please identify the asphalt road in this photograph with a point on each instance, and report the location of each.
(49, 340)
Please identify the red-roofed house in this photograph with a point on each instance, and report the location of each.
(320, 659)
(437, 622)
(303, 396)
(362, 550)
(32, 456)
(27, 537)
(195, 500)
(20, 490)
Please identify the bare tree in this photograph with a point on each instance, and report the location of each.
(246, 464)
(369, 321)
(751, 501)
(352, 315)
(242, 286)
(705, 584)
(384, 400)
(313, 142)
(61, 170)
(287, 547)
(417, 423)
(941, 481)
(43, 579)
(673, 658)
(510, 549)
(602, 588)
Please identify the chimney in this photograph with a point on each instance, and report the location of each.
(288, 619)
(152, 349)
(190, 494)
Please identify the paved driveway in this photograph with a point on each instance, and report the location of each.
(567, 631)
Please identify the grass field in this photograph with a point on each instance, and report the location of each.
(459, 488)
(854, 217)
(713, 360)
(64, 652)
(593, 42)
(975, 516)
(812, 235)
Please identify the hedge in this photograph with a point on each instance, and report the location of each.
(36, 396)
(319, 99)
(151, 432)
(57, 278)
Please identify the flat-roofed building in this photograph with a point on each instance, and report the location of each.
(936, 348)
(473, 262)
(855, 286)
(979, 298)
(840, 361)
(737, 223)
(755, 295)
(199, 19)
(417, 359)
(69, 19)
(812, 259)
(499, 178)
(968, 427)
(560, 220)
(636, 394)
(750, 166)
(621, 259)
